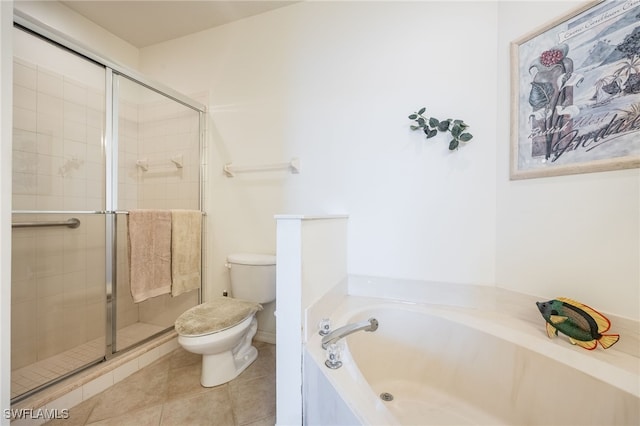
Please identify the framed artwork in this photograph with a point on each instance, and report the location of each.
(575, 93)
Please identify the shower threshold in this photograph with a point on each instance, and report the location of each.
(29, 379)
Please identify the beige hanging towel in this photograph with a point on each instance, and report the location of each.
(186, 227)
(149, 242)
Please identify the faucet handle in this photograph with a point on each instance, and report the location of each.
(324, 326)
(333, 357)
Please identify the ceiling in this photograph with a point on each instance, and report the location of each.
(146, 22)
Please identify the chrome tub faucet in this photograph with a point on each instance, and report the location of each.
(369, 325)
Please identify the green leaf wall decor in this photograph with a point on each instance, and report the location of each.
(431, 126)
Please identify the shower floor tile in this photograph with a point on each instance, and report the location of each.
(26, 378)
(37, 374)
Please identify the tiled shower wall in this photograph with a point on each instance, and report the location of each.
(168, 131)
(58, 274)
(155, 130)
(58, 161)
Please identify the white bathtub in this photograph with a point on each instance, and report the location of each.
(463, 366)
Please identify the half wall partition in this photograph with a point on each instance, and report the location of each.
(91, 141)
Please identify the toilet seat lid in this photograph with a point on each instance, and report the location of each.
(216, 315)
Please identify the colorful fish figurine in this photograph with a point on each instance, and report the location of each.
(583, 325)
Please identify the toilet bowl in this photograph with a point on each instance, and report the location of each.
(226, 351)
(222, 329)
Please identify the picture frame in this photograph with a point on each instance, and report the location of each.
(575, 93)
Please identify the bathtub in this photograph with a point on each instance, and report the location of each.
(438, 365)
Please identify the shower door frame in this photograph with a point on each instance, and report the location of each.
(112, 212)
(36, 28)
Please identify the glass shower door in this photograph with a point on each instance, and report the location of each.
(89, 144)
(58, 314)
(158, 142)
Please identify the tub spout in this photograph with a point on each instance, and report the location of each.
(369, 325)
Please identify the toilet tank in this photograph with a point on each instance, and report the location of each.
(253, 276)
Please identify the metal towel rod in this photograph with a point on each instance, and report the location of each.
(69, 223)
(293, 166)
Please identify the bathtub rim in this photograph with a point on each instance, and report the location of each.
(624, 374)
(356, 289)
(367, 407)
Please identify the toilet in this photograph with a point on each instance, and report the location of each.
(222, 329)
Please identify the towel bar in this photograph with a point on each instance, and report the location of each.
(173, 164)
(294, 166)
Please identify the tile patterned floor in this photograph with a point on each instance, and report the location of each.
(30, 377)
(168, 392)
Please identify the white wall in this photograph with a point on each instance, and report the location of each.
(575, 236)
(333, 83)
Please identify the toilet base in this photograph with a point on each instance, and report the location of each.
(221, 368)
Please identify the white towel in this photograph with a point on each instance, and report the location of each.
(149, 241)
(186, 227)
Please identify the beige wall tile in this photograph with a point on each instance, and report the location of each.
(24, 119)
(24, 74)
(50, 83)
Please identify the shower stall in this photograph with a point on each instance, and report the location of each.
(91, 141)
